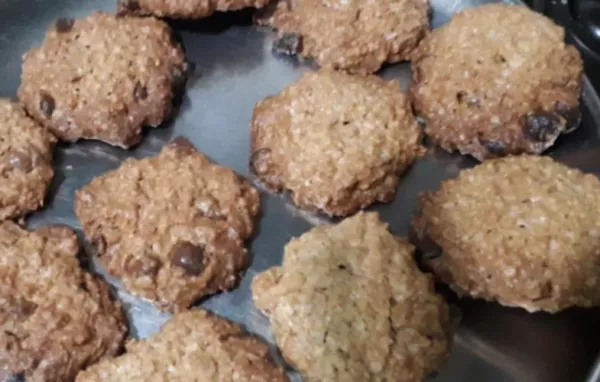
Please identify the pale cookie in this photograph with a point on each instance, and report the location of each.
(55, 318)
(349, 304)
(193, 346)
(172, 226)
(25, 162)
(103, 77)
(523, 231)
(497, 80)
(337, 142)
(188, 9)
(357, 36)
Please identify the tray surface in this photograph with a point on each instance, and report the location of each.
(236, 69)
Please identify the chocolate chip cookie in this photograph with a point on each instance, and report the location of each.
(55, 318)
(172, 226)
(25, 161)
(337, 142)
(350, 304)
(190, 9)
(523, 231)
(497, 80)
(103, 77)
(193, 346)
(353, 35)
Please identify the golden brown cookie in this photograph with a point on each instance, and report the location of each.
(352, 35)
(497, 80)
(523, 231)
(25, 161)
(193, 346)
(188, 9)
(172, 226)
(103, 77)
(55, 318)
(349, 304)
(337, 142)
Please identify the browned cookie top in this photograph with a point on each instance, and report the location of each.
(171, 226)
(350, 304)
(55, 318)
(520, 230)
(497, 80)
(353, 35)
(185, 9)
(337, 142)
(25, 161)
(193, 346)
(103, 77)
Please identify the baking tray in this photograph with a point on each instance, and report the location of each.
(236, 69)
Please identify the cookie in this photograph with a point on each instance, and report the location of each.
(523, 231)
(350, 35)
(55, 318)
(25, 161)
(103, 77)
(337, 142)
(350, 304)
(172, 226)
(193, 346)
(194, 9)
(497, 80)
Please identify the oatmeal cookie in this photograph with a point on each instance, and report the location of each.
(103, 77)
(337, 142)
(193, 346)
(25, 161)
(350, 304)
(353, 35)
(523, 231)
(172, 226)
(497, 80)
(55, 318)
(188, 9)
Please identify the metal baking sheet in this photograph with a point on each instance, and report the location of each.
(235, 70)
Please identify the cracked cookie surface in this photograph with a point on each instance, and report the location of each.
(350, 304)
(55, 318)
(25, 161)
(186, 9)
(337, 142)
(523, 231)
(352, 35)
(497, 80)
(193, 346)
(172, 226)
(103, 77)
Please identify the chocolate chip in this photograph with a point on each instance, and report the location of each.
(64, 25)
(146, 266)
(47, 104)
(288, 44)
(25, 308)
(496, 148)
(188, 256)
(140, 92)
(541, 126)
(572, 116)
(20, 161)
(499, 59)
